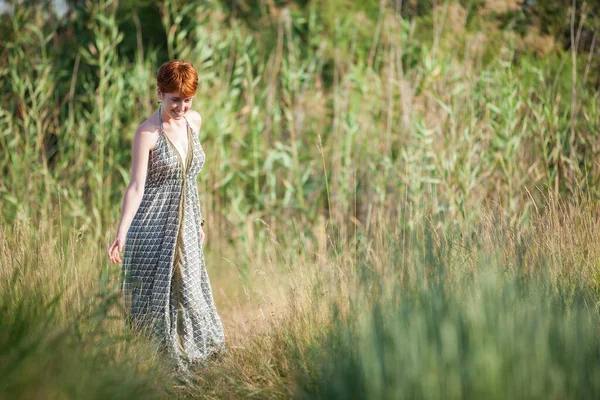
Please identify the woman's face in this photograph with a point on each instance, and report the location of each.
(175, 104)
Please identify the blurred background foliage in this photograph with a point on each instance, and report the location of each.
(283, 90)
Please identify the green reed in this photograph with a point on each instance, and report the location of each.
(399, 116)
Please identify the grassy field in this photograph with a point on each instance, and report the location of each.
(428, 312)
(396, 207)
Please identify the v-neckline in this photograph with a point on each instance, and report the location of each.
(183, 163)
(187, 131)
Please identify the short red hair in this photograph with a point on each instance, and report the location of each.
(177, 76)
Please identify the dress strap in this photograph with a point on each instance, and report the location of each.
(161, 129)
(188, 124)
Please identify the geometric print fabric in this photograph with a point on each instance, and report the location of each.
(164, 280)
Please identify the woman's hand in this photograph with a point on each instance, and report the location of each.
(114, 250)
(202, 235)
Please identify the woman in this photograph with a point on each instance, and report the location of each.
(165, 283)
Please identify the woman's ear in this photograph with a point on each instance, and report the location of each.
(159, 93)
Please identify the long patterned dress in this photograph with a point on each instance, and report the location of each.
(165, 283)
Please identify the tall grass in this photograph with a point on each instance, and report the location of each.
(63, 334)
(505, 310)
(487, 336)
(404, 110)
(394, 207)
(502, 308)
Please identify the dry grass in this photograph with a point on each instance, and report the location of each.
(401, 159)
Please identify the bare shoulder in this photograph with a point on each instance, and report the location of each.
(144, 141)
(195, 120)
(147, 133)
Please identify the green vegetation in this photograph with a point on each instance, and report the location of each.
(401, 197)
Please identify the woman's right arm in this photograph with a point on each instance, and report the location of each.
(143, 141)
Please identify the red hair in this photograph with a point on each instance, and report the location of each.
(177, 76)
